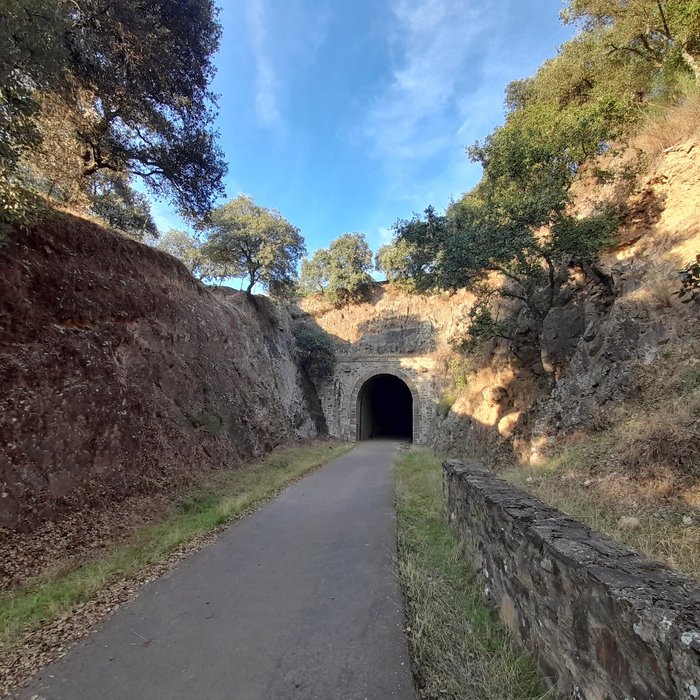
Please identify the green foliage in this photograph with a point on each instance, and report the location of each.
(315, 273)
(122, 207)
(316, 351)
(517, 222)
(188, 249)
(395, 260)
(497, 228)
(255, 243)
(421, 243)
(19, 207)
(659, 32)
(482, 325)
(447, 399)
(32, 58)
(133, 76)
(341, 272)
(583, 239)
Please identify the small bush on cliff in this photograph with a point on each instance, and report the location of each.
(316, 351)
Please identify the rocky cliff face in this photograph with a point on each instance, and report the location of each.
(614, 346)
(613, 329)
(612, 332)
(120, 373)
(392, 322)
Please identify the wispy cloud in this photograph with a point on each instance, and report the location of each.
(284, 40)
(267, 88)
(432, 41)
(422, 114)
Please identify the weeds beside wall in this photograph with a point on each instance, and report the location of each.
(604, 622)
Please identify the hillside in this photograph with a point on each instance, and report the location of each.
(602, 417)
(120, 378)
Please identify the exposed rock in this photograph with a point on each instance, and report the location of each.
(118, 371)
(507, 424)
(561, 330)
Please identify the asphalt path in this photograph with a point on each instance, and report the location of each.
(298, 601)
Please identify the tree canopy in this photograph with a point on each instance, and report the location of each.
(657, 31)
(254, 243)
(518, 222)
(187, 248)
(122, 207)
(132, 78)
(395, 260)
(341, 272)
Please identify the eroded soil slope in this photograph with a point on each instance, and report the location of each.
(119, 373)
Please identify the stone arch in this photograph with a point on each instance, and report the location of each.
(355, 398)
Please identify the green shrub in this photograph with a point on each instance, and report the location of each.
(316, 351)
(445, 403)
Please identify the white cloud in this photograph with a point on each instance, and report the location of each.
(440, 98)
(386, 235)
(432, 41)
(266, 104)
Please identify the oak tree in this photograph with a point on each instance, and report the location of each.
(254, 243)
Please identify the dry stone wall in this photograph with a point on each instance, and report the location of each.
(603, 622)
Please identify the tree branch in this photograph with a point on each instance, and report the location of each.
(667, 31)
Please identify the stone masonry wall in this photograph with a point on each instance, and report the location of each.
(603, 622)
(339, 395)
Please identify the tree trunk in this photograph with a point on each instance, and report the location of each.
(249, 291)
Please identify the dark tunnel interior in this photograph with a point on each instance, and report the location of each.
(385, 409)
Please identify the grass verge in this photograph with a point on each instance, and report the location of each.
(604, 503)
(458, 649)
(224, 497)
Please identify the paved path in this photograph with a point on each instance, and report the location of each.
(298, 601)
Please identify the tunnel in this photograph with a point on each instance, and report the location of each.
(385, 409)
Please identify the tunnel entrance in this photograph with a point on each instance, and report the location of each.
(385, 409)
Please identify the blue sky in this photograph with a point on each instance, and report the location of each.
(346, 115)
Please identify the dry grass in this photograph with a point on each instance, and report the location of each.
(458, 650)
(670, 127)
(646, 465)
(661, 535)
(652, 439)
